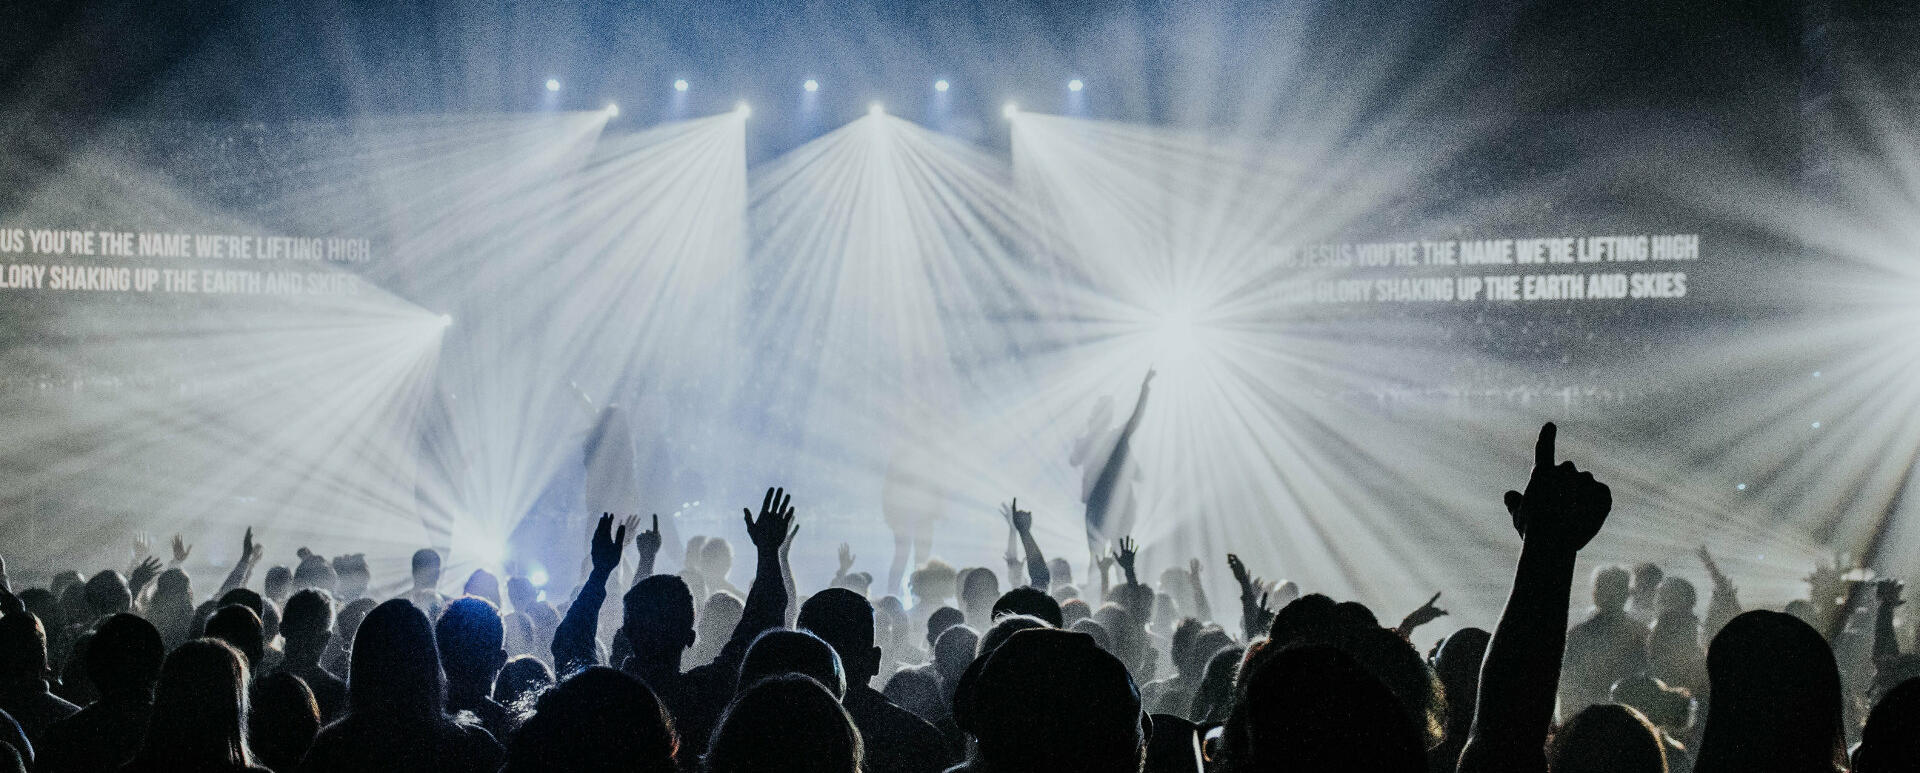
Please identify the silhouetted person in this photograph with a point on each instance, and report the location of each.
(1606, 647)
(1560, 511)
(523, 677)
(1029, 601)
(539, 616)
(1104, 456)
(425, 592)
(599, 719)
(1213, 699)
(346, 624)
(1174, 747)
(1049, 700)
(285, 718)
(123, 661)
(979, 588)
(171, 607)
(1313, 707)
(23, 676)
(789, 724)
(396, 717)
(952, 654)
(657, 618)
(897, 741)
(277, 585)
(307, 627)
(780, 651)
(1643, 607)
(718, 617)
(240, 627)
(353, 575)
(107, 594)
(1457, 665)
(1776, 699)
(14, 741)
(1668, 709)
(199, 720)
(1608, 738)
(484, 585)
(1192, 645)
(1673, 644)
(471, 653)
(1891, 740)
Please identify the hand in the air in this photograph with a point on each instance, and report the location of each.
(774, 526)
(604, 550)
(1888, 592)
(1128, 550)
(846, 557)
(144, 573)
(649, 542)
(181, 550)
(1427, 613)
(1563, 508)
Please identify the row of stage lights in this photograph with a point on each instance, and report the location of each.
(811, 85)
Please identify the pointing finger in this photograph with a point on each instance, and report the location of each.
(1543, 450)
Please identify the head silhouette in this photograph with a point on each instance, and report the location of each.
(1676, 597)
(659, 617)
(521, 594)
(1051, 700)
(199, 711)
(471, 641)
(1889, 742)
(598, 719)
(240, 627)
(395, 672)
(1646, 583)
(277, 584)
(1611, 587)
(942, 619)
(918, 691)
(124, 657)
(426, 569)
(1608, 738)
(1095, 630)
(786, 723)
(23, 649)
(522, 677)
(283, 722)
(1073, 611)
(979, 587)
(1032, 602)
(353, 576)
(1458, 666)
(718, 617)
(844, 620)
(1668, 708)
(954, 652)
(483, 584)
(314, 572)
(932, 583)
(1314, 707)
(1776, 698)
(1002, 629)
(107, 594)
(1214, 697)
(781, 651)
(307, 623)
(1175, 746)
(716, 559)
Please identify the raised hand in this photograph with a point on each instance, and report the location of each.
(1563, 508)
(1427, 613)
(249, 551)
(604, 550)
(1022, 520)
(181, 550)
(775, 523)
(1193, 568)
(846, 558)
(1888, 593)
(1127, 551)
(142, 546)
(143, 574)
(1240, 574)
(649, 542)
(1713, 570)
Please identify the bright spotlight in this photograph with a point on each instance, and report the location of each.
(680, 85)
(876, 109)
(743, 108)
(613, 110)
(1010, 110)
(538, 577)
(553, 84)
(940, 86)
(811, 85)
(446, 320)
(1075, 85)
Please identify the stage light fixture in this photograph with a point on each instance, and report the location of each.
(940, 86)
(811, 85)
(613, 110)
(745, 110)
(1075, 85)
(1009, 110)
(680, 85)
(876, 109)
(553, 84)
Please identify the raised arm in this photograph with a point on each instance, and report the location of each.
(574, 645)
(1125, 553)
(1724, 605)
(1886, 646)
(1562, 509)
(1139, 406)
(767, 596)
(1201, 609)
(1021, 523)
(791, 611)
(1255, 618)
(250, 553)
(1427, 613)
(648, 546)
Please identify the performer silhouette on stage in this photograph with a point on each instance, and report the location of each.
(1108, 474)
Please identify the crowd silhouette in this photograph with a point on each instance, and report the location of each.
(685, 673)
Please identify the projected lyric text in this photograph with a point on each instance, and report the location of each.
(62, 260)
(1501, 270)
